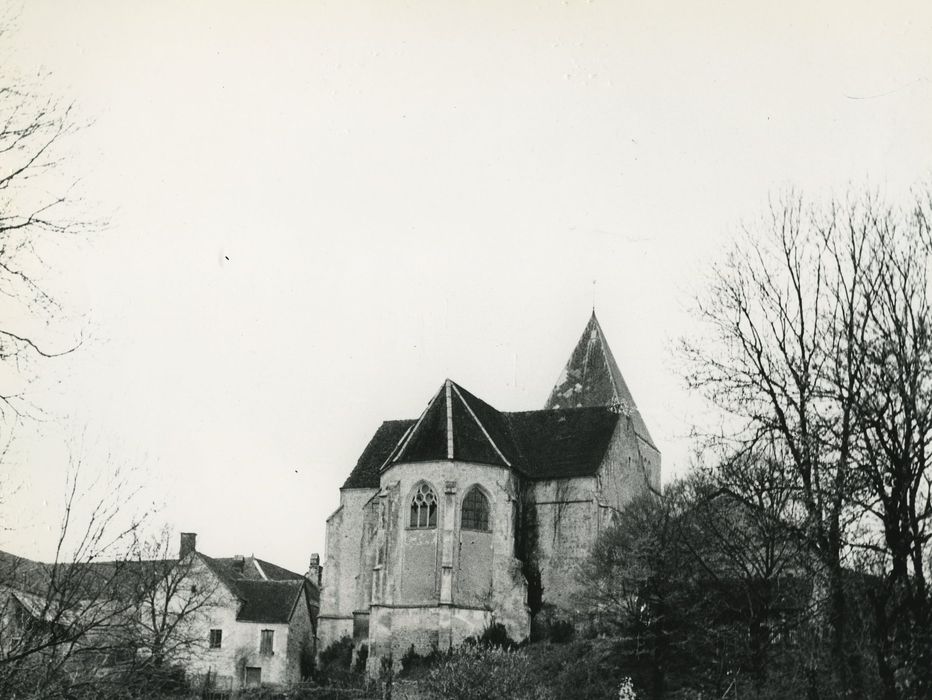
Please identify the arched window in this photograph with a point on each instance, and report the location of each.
(475, 511)
(424, 508)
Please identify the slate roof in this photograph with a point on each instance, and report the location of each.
(267, 596)
(592, 378)
(245, 568)
(456, 425)
(560, 443)
(563, 443)
(268, 601)
(82, 579)
(366, 472)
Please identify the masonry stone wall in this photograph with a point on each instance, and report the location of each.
(434, 587)
(630, 465)
(566, 525)
(300, 643)
(394, 631)
(240, 640)
(342, 566)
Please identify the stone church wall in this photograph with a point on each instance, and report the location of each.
(441, 585)
(630, 464)
(342, 567)
(566, 525)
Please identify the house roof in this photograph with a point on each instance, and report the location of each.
(82, 580)
(591, 377)
(253, 568)
(268, 601)
(268, 592)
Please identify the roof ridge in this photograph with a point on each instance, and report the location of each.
(485, 432)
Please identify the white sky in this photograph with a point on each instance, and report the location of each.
(408, 191)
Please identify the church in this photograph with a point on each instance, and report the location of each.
(468, 516)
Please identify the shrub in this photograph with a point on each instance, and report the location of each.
(412, 662)
(495, 636)
(561, 631)
(339, 654)
(336, 665)
(362, 655)
(482, 672)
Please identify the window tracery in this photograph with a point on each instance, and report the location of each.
(423, 508)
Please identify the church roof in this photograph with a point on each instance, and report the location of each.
(592, 378)
(366, 472)
(563, 443)
(456, 425)
(547, 444)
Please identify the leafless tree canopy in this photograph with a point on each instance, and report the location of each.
(36, 195)
(819, 350)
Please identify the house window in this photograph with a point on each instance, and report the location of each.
(424, 508)
(253, 677)
(216, 639)
(265, 641)
(475, 511)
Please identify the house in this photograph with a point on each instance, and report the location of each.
(227, 622)
(467, 515)
(251, 623)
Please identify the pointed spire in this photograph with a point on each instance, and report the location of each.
(592, 378)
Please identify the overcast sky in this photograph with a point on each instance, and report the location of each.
(317, 211)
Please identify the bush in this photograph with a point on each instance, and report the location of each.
(336, 664)
(362, 655)
(483, 672)
(339, 654)
(412, 662)
(495, 636)
(562, 631)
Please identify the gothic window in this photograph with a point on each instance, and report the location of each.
(424, 508)
(475, 511)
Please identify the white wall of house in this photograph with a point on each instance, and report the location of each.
(240, 641)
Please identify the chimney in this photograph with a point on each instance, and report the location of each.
(314, 570)
(239, 563)
(188, 544)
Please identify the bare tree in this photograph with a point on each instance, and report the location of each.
(57, 618)
(783, 358)
(820, 347)
(35, 212)
(173, 597)
(893, 433)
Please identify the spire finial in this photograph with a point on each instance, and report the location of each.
(594, 283)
